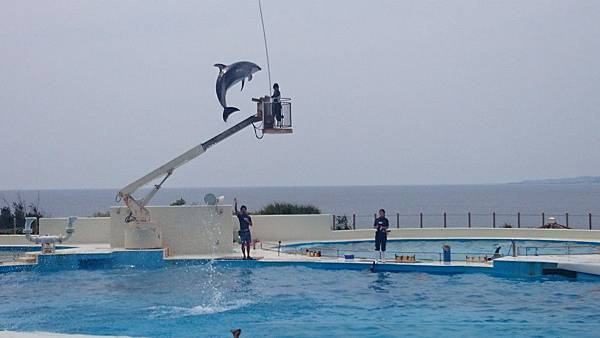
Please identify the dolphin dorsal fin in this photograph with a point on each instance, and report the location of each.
(220, 66)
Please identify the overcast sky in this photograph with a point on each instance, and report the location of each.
(94, 94)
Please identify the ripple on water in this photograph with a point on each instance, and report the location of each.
(168, 311)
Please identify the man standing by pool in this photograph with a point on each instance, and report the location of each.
(245, 224)
(381, 226)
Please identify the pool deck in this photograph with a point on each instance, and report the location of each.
(584, 263)
(86, 255)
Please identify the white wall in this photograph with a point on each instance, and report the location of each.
(14, 240)
(289, 227)
(296, 228)
(87, 229)
(185, 230)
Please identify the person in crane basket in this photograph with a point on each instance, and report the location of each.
(245, 224)
(276, 97)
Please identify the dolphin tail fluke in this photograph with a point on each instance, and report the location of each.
(228, 111)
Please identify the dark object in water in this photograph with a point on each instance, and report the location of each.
(236, 333)
(559, 272)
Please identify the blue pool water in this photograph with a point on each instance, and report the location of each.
(432, 249)
(208, 300)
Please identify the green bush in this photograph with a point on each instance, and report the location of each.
(180, 201)
(283, 208)
(101, 214)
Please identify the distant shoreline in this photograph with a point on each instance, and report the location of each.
(565, 181)
(570, 180)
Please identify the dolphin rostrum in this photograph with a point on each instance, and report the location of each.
(229, 76)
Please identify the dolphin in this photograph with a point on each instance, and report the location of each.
(229, 76)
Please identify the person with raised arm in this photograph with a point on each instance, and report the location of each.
(245, 224)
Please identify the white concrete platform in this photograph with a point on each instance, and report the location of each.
(588, 263)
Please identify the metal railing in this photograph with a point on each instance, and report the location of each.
(433, 256)
(421, 256)
(465, 220)
(278, 114)
(575, 249)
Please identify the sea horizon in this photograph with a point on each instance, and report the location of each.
(406, 202)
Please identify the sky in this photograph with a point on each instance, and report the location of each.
(95, 94)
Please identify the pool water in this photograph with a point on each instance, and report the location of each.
(432, 249)
(209, 300)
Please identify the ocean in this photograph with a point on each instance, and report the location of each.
(403, 204)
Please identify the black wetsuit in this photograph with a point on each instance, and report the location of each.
(277, 105)
(245, 221)
(381, 225)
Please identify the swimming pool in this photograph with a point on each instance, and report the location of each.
(208, 300)
(432, 249)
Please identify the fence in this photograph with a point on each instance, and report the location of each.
(467, 219)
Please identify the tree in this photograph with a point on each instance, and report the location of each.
(6, 219)
(284, 208)
(19, 214)
(101, 214)
(180, 201)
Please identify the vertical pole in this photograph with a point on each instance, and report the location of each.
(421, 219)
(493, 219)
(469, 219)
(354, 221)
(567, 219)
(398, 220)
(590, 220)
(543, 219)
(444, 220)
(518, 219)
(14, 225)
(332, 222)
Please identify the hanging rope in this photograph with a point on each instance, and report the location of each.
(262, 22)
(256, 129)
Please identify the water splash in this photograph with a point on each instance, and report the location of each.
(170, 312)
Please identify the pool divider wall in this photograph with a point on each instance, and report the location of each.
(14, 240)
(87, 229)
(153, 259)
(185, 230)
(118, 259)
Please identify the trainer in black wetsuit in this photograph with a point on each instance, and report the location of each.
(381, 226)
(245, 224)
(276, 97)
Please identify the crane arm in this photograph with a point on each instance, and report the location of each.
(137, 209)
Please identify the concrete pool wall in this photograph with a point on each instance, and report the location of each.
(88, 229)
(189, 236)
(185, 230)
(182, 236)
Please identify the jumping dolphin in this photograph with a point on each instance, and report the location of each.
(229, 76)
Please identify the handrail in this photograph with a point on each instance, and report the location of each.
(501, 219)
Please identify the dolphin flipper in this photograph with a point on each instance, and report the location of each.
(228, 111)
(242, 84)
